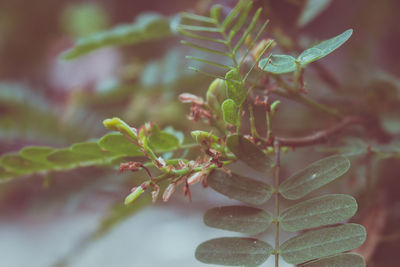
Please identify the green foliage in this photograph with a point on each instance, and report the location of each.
(241, 188)
(242, 219)
(319, 211)
(147, 27)
(106, 151)
(280, 64)
(314, 176)
(244, 82)
(322, 242)
(234, 251)
(227, 29)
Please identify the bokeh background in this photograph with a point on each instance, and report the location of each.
(77, 218)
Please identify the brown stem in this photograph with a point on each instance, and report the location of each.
(320, 136)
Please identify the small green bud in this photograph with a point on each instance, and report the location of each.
(136, 192)
(116, 124)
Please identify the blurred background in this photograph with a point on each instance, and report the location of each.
(77, 218)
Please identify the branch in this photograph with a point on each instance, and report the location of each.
(320, 136)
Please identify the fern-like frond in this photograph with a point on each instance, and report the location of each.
(213, 30)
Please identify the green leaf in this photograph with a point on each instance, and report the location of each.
(323, 242)
(161, 140)
(148, 26)
(323, 49)
(117, 143)
(91, 148)
(230, 112)
(278, 64)
(36, 153)
(314, 176)
(248, 220)
(248, 152)
(234, 87)
(311, 10)
(66, 157)
(342, 260)
(241, 188)
(234, 251)
(319, 211)
(15, 163)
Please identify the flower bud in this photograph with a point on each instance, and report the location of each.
(116, 124)
(136, 192)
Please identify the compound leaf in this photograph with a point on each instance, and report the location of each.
(240, 188)
(234, 251)
(319, 211)
(342, 260)
(278, 64)
(314, 176)
(241, 219)
(323, 49)
(248, 152)
(322, 243)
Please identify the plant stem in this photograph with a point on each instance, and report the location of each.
(254, 132)
(297, 76)
(239, 126)
(276, 175)
(269, 126)
(320, 136)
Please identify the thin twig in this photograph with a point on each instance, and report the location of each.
(320, 136)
